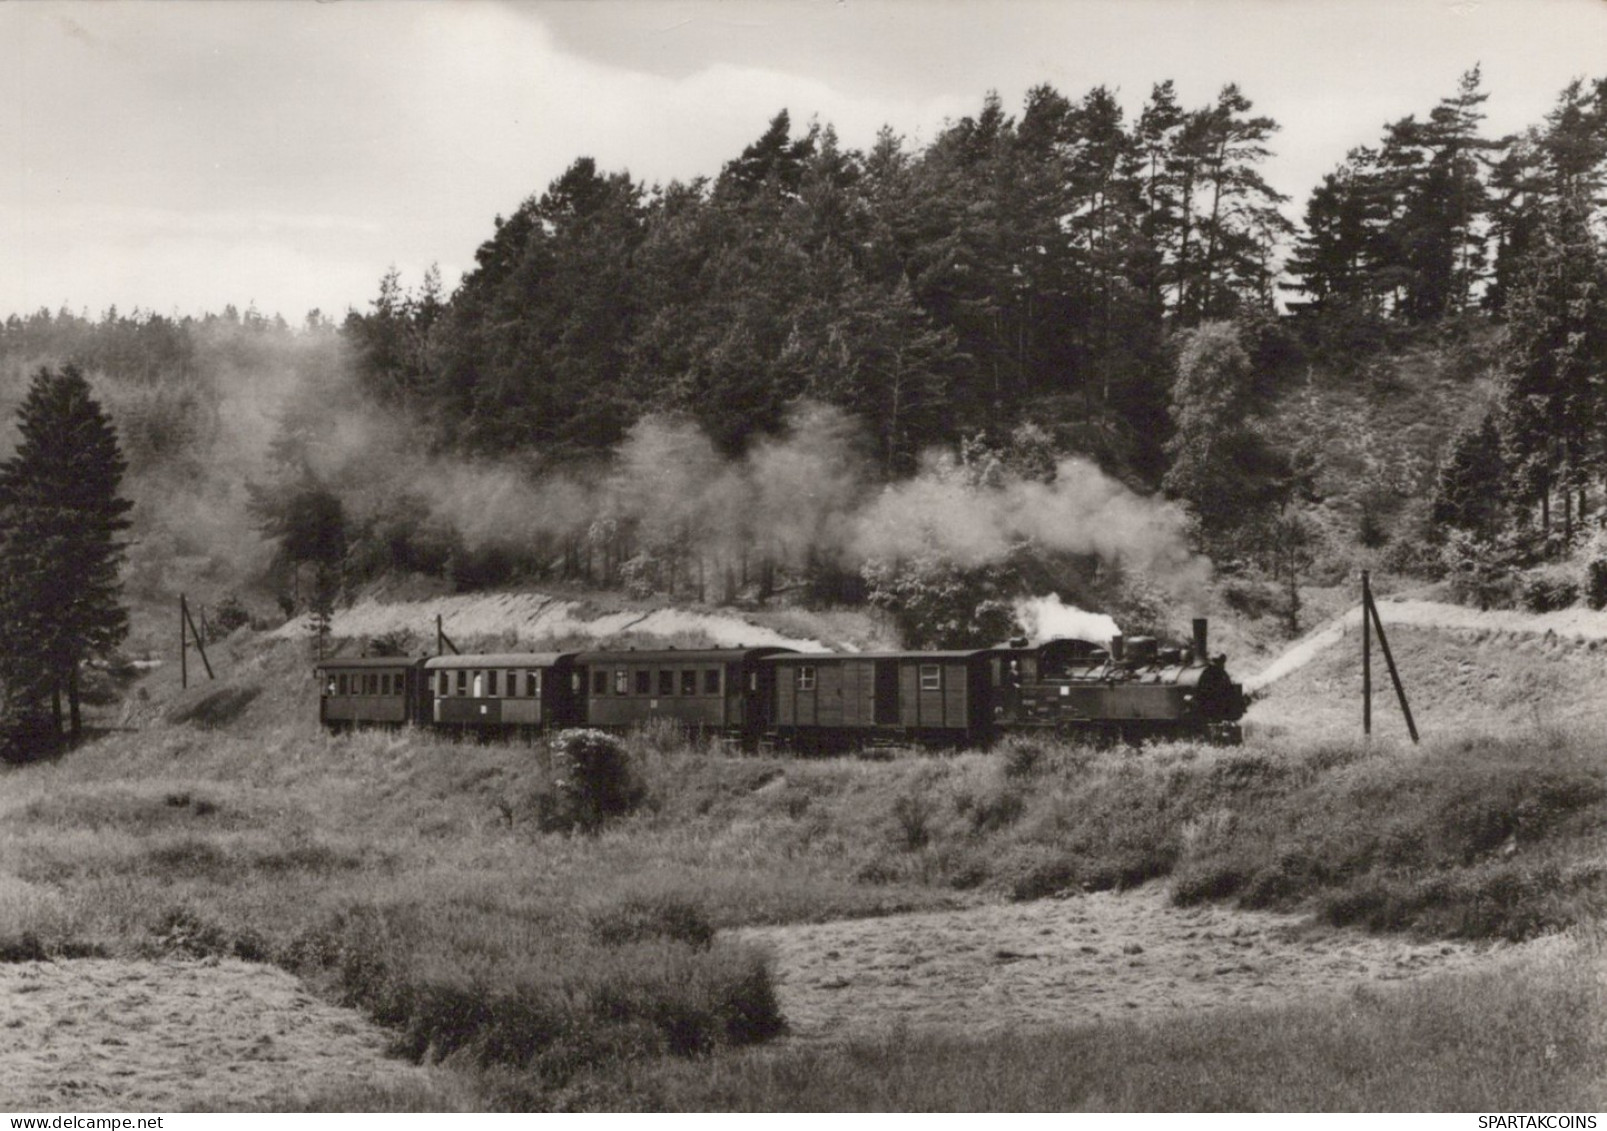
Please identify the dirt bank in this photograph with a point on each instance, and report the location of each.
(1572, 624)
(533, 618)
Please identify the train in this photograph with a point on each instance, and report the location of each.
(1129, 690)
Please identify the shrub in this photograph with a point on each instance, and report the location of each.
(1596, 583)
(1047, 876)
(27, 734)
(592, 778)
(1021, 755)
(1546, 590)
(913, 812)
(641, 917)
(1251, 598)
(229, 615)
(1479, 571)
(998, 810)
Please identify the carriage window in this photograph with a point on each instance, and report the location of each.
(384, 683)
(340, 684)
(491, 683)
(599, 683)
(370, 684)
(806, 679)
(689, 682)
(532, 685)
(711, 681)
(443, 683)
(931, 677)
(666, 683)
(644, 683)
(463, 682)
(329, 687)
(622, 682)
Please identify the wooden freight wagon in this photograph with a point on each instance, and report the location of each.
(371, 691)
(836, 701)
(718, 690)
(511, 691)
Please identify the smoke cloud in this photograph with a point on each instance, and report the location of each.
(271, 408)
(1046, 618)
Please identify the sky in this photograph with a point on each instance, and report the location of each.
(179, 155)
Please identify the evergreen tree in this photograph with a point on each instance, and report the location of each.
(60, 518)
(1472, 481)
(1556, 357)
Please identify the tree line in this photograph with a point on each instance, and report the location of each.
(1015, 258)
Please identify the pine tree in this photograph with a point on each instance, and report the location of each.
(60, 518)
(1556, 351)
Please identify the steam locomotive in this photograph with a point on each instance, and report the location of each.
(1131, 691)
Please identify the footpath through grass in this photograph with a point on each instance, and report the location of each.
(422, 882)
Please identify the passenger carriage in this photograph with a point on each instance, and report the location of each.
(503, 692)
(371, 691)
(705, 690)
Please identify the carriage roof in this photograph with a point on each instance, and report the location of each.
(496, 660)
(365, 662)
(676, 655)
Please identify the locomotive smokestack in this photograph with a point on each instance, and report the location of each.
(1116, 647)
(1199, 639)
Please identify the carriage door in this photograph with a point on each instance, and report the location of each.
(886, 708)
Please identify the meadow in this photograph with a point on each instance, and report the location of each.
(426, 883)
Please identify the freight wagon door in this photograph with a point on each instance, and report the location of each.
(886, 693)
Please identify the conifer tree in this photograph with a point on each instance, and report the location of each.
(60, 518)
(1556, 350)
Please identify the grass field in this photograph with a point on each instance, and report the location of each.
(412, 878)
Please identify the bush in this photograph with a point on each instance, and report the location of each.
(1547, 589)
(27, 735)
(997, 810)
(592, 779)
(1251, 598)
(642, 917)
(913, 812)
(1596, 583)
(229, 615)
(937, 604)
(1479, 571)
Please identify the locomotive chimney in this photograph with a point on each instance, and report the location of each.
(1116, 648)
(1199, 640)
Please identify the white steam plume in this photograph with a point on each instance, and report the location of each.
(1045, 618)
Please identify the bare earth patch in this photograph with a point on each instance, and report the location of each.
(112, 1035)
(1060, 962)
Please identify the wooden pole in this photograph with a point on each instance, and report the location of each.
(199, 647)
(442, 640)
(184, 645)
(1394, 675)
(1366, 657)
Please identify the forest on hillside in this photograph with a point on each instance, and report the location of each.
(1055, 349)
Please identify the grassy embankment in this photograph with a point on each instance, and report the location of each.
(411, 877)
